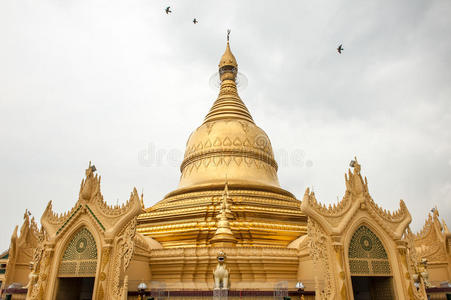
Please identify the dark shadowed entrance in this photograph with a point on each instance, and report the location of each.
(372, 288)
(76, 288)
(371, 273)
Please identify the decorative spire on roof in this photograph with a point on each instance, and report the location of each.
(225, 201)
(142, 200)
(228, 105)
(223, 235)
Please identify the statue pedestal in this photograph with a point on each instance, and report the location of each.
(220, 294)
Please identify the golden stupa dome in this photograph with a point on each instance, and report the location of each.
(228, 143)
(229, 193)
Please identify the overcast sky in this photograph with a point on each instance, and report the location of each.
(117, 82)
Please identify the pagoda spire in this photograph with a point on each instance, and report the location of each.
(228, 105)
(223, 235)
(225, 200)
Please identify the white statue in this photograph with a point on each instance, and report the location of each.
(221, 274)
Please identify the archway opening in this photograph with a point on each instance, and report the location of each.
(75, 288)
(76, 273)
(371, 273)
(372, 287)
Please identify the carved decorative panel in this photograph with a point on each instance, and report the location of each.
(367, 255)
(80, 257)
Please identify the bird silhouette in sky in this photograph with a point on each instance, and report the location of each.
(195, 21)
(168, 10)
(340, 48)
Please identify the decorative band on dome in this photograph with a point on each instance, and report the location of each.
(260, 156)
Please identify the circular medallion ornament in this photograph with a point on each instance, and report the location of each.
(81, 245)
(102, 276)
(366, 243)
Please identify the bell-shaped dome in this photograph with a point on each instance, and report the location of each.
(228, 143)
(229, 194)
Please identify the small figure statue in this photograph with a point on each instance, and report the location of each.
(32, 279)
(423, 271)
(221, 274)
(89, 184)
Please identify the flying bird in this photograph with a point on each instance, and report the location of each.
(168, 10)
(195, 21)
(340, 48)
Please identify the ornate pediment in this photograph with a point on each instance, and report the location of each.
(432, 240)
(107, 218)
(29, 232)
(22, 245)
(91, 239)
(346, 239)
(335, 218)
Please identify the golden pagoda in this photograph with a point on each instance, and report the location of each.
(229, 229)
(227, 145)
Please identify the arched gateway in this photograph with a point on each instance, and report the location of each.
(77, 269)
(84, 253)
(347, 249)
(370, 269)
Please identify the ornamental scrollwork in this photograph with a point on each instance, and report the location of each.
(124, 252)
(320, 255)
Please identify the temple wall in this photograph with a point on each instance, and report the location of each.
(250, 268)
(138, 271)
(438, 273)
(307, 273)
(21, 273)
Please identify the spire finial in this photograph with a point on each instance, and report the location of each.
(228, 105)
(228, 59)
